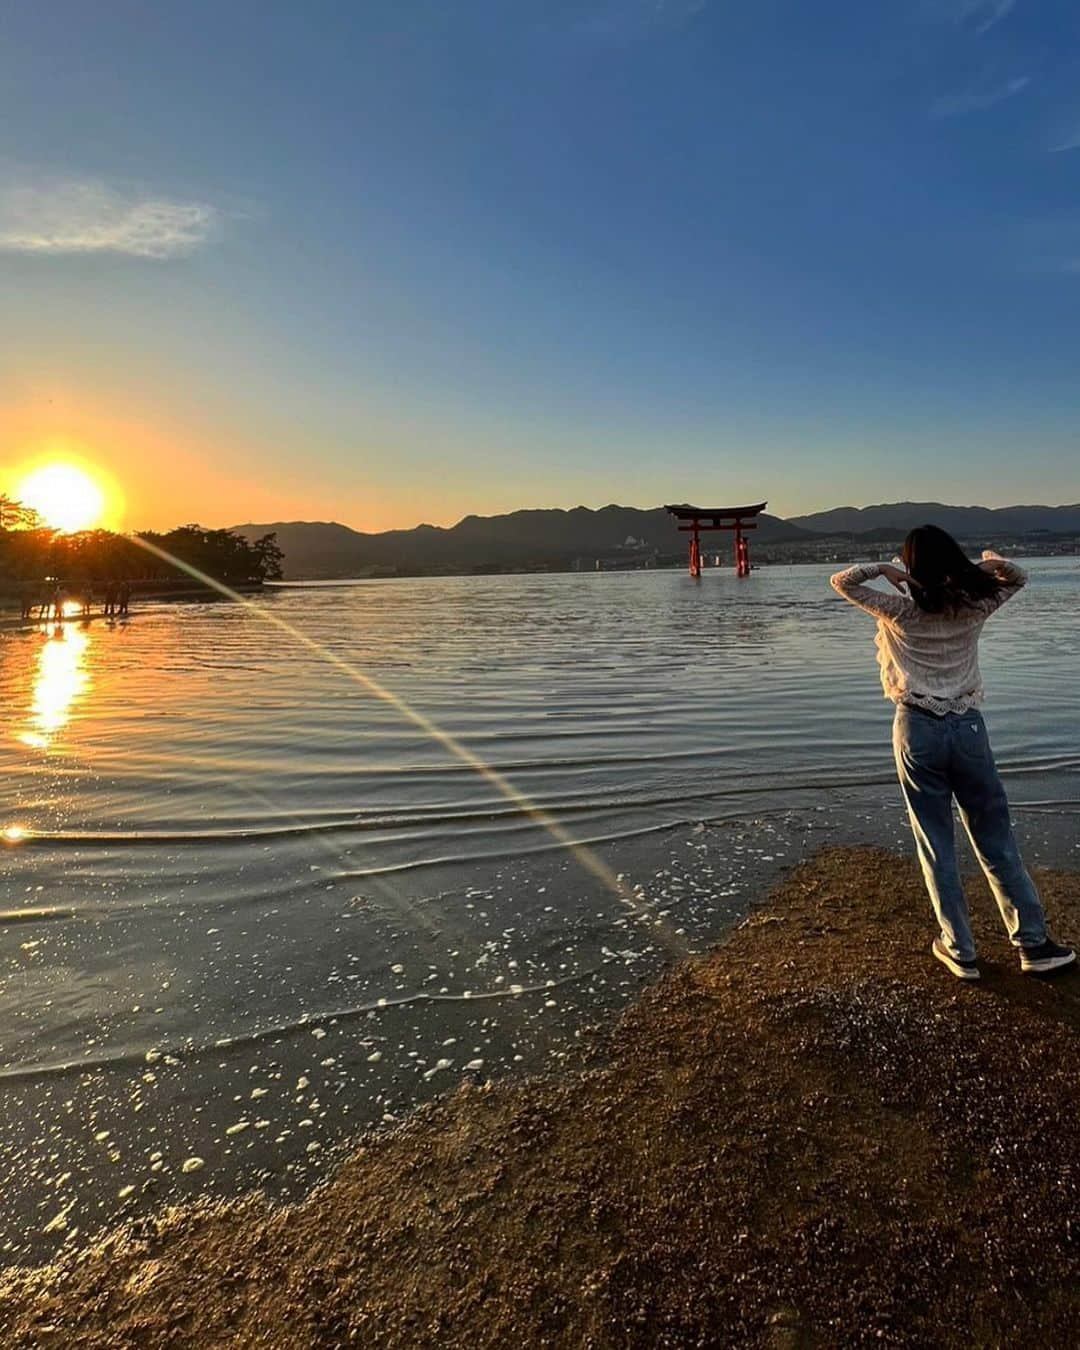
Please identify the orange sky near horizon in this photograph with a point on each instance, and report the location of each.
(171, 474)
(172, 468)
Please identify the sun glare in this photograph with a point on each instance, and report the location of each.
(64, 496)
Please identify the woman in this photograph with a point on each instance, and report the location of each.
(927, 641)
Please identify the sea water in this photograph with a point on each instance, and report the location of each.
(277, 871)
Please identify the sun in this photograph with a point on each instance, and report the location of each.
(65, 496)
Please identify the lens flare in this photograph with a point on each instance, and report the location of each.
(662, 933)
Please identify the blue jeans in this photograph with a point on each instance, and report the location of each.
(939, 758)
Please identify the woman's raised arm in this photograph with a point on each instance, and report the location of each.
(1011, 577)
(850, 584)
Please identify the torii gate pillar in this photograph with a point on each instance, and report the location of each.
(742, 552)
(695, 553)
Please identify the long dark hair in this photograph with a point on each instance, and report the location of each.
(947, 579)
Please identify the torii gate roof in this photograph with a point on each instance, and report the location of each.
(687, 512)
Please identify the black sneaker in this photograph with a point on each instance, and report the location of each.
(1048, 955)
(963, 970)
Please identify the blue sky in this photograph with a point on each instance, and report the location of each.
(391, 262)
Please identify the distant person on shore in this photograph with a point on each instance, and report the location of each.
(123, 597)
(928, 651)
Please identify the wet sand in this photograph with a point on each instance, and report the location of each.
(813, 1136)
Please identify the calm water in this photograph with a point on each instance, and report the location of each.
(285, 876)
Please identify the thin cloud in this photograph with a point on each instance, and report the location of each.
(89, 217)
(977, 100)
(628, 19)
(1070, 141)
(981, 15)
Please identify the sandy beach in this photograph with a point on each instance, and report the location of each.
(811, 1136)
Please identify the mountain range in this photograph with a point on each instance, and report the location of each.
(558, 538)
(963, 521)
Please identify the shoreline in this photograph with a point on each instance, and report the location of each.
(763, 560)
(10, 620)
(755, 1157)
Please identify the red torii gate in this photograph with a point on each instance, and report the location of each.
(695, 519)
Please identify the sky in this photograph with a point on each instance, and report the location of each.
(401, 261)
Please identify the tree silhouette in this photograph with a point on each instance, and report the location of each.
(31, 552)
(270, 556)
(16, 516)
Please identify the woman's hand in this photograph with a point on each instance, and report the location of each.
(993, 563)
(896, 577)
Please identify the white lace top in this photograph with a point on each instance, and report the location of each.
(928, 660)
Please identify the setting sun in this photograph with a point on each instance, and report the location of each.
(65, 496)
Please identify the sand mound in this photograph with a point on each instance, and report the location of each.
(815, 1136)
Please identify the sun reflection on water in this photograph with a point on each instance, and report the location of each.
(61, 678)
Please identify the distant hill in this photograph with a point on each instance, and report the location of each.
(963, 521)
(320, 549)
(539, 539)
